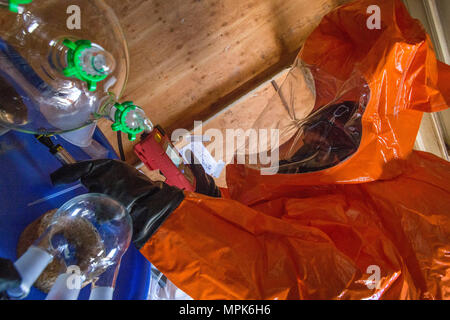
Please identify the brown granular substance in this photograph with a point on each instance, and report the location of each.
(79, 232)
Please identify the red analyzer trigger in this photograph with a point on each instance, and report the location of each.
(157, 152)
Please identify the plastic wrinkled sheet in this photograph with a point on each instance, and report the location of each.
(317, 129)
(354, 212)
(354, 92)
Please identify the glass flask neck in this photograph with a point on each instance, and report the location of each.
(57, 57)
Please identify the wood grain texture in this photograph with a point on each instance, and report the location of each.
(241, 115)
(190, 59)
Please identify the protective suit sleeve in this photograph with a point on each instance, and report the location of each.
(378, 240)
(148, 202)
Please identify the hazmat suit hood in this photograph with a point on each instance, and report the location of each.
(350, 108)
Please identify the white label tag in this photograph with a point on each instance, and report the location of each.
(211, 166)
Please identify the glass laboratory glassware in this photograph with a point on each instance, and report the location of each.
(88, 234)
(63, 65)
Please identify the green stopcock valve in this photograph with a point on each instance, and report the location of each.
(126, 119)
(14, 4)
(76, 66)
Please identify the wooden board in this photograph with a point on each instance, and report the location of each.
(190, 59)
(242, 114)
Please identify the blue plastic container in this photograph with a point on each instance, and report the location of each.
(25, 166)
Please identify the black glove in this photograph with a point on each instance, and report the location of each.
(204, 183)
(9, 277)
(149, 203)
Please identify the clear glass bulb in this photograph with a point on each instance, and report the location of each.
(39, 94)
(138, 119)
(90, 234)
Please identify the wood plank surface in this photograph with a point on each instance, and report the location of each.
(190, 59)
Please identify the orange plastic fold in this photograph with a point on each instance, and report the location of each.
(376, 226)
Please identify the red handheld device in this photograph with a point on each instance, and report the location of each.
(156, 151)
